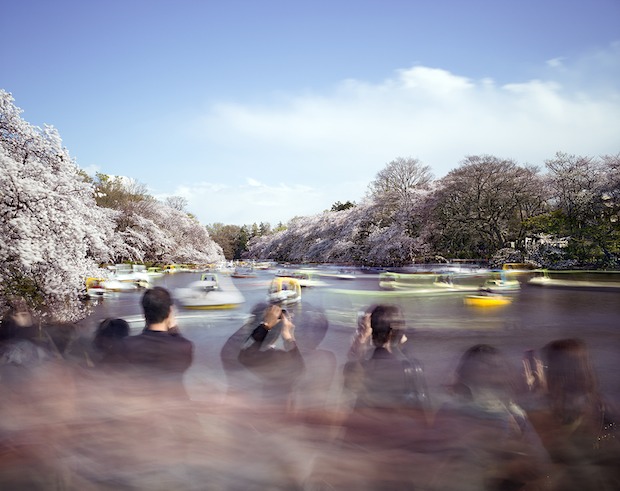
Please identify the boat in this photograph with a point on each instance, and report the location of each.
(95, 287)
(429, 281)
(140, 275)
(518, 268)
(305, 278)
(127, 277)
(487, 300)
(345, 274)
(405, 281)
(154, 272)
(588, 280)
(500, 283)
(171, 268)
(121, 279)
(284, 290)
(116, 285)
(209, 293)
(243, 272)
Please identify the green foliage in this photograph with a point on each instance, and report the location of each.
(118, 193)
(234, 239)
(338, 206)
(18, 285)
(554, 222)
(226, 237)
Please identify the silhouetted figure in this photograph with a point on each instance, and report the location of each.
(575, 423)
(387, 425)
(143, 429)
(271, 353)
(380, 372)
(37, 405)
(482, 439)
(108, 340)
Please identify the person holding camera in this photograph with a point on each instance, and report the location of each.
(381, 371)
(577, 424)
(271, 353)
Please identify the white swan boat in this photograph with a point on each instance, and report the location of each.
(211, 292)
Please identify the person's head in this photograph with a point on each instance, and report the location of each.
(483, 368)
(157, 305)
(18, 316)
(109, 332)
(571, 381)
(386, 322)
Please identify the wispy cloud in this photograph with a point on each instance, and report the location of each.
(556, 62)
(325, 147)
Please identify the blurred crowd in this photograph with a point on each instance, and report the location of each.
(115, 413)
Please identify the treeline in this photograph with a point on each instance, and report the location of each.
(487, 207)
(58, 224)
(234, 239)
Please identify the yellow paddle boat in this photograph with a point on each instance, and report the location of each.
(284, 290)
(488, 300)
(95, 287)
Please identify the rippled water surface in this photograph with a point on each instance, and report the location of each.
(441, 325)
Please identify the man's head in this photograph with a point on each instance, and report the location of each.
(157, 305)
(384, 320)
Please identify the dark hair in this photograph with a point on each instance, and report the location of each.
(109, 331)
(383, 320)
(571, 382)
(156, 303)
(483, 367)
(9, 326)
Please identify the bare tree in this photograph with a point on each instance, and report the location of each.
(178, 203)
(400, 178)
(482, 204)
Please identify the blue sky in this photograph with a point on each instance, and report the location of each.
(263, 110)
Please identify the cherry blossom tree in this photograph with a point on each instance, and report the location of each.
(53, 234)
(149, 230)
(192, 243)
(355, 235)
(584, 194)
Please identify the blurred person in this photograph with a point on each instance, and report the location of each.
(384, 433)
(264, 362)
(278, 393)
(577, 426)
(314, 387)
(108, 340)
(142, 427)
(272, 354)
(38, 404)
(482, 438)
(380, 371)
(18, 340)
(160, 355)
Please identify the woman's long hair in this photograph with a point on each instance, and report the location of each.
(484, 367)
(571, 381)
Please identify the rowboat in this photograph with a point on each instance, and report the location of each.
(488, 300)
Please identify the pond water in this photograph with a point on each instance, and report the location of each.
(441, 326)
